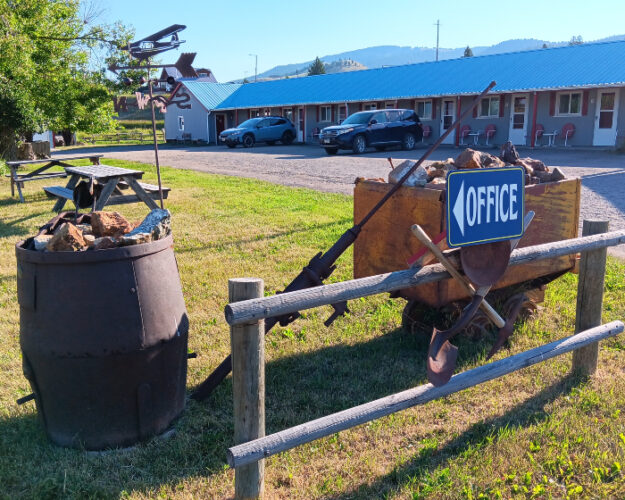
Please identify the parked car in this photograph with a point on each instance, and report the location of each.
(267, 129)
(377, 128)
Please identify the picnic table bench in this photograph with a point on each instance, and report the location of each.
(113, 181)
(41, 172)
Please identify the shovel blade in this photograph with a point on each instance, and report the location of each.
(441, 361)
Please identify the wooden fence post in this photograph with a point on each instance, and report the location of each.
(248, 387)
(590, 297)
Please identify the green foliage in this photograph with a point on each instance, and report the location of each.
(316, 68)
(576, 40)
(47, 78)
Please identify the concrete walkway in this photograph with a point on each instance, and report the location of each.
(602, 172)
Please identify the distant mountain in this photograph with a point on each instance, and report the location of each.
(393, 55)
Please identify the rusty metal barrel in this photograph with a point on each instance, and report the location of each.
(104, 342)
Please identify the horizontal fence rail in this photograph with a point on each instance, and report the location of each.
(286, 303)
(258, 449)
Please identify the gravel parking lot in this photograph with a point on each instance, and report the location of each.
(602, 172)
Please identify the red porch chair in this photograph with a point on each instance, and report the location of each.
(427, 132)
(489, 131)
(568, 131)
(465, 130)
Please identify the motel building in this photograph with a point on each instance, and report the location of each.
(564, 96)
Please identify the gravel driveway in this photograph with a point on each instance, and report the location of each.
(602, 172)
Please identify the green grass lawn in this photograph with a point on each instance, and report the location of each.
(538, 433)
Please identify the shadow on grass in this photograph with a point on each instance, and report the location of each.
(12, 228)
(417, 470)
(299, 388)
(266, 237)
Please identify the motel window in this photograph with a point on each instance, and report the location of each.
(489, 107)
(181, 123)
(267, 112)
(424, 109)
(325, 114)
(569, 103)
(254, 113)
(391, 105)
(369, 107)
(288, 113)
(342, 113)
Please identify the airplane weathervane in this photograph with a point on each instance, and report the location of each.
(143, 50)
(151, 46)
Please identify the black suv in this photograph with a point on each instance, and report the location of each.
(377, 128)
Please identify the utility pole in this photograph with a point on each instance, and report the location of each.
(255, 66)
(438, 26)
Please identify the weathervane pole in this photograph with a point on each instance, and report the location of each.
(158, 167)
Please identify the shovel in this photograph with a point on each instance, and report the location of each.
(483, 265)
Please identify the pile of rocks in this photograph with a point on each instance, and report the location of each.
(98, 231)
(536, 171)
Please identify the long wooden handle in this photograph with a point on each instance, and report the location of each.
(425, 239)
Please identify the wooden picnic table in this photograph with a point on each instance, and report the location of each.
(40, 173)
(113, 181)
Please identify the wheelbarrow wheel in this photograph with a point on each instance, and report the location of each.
(528, 306)
(418, 318)
(414, 318)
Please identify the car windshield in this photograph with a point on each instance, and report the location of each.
(249, 123)
(358, 118)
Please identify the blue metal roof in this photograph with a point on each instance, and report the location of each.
(211, 94)
(586, 65)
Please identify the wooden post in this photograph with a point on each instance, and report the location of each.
(248, 387)
(590, 297)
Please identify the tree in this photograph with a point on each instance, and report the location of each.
(576, 40)
(48, 74)
(545, 46)
(468, 52)
(316, 68)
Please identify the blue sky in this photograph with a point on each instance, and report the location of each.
(224, 33)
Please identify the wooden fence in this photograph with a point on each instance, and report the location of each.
(248, 308)
(120, 137)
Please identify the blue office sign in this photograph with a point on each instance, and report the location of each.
(485, 205)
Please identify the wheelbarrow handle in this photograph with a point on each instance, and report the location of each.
(425, 239)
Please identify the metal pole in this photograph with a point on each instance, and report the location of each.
(255, 66)
(438, 25)
(158, 167)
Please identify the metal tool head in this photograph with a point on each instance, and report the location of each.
(441, 360)
(508, 329)
(442, 355)
(485, 264)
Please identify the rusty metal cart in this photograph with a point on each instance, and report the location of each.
(387, 243)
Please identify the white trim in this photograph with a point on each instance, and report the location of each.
(327, 110)
(424, 101)
(518, 136)
(490, 115)
(569, 93)
(606, 137)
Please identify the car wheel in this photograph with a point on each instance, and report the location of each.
(331, 151)
(409, 142)
(230, 145)
(380, 148)
(287, 137)
(271, 143)
(359, 144)
(248, 141)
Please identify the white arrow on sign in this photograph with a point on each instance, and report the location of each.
(459, 208)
